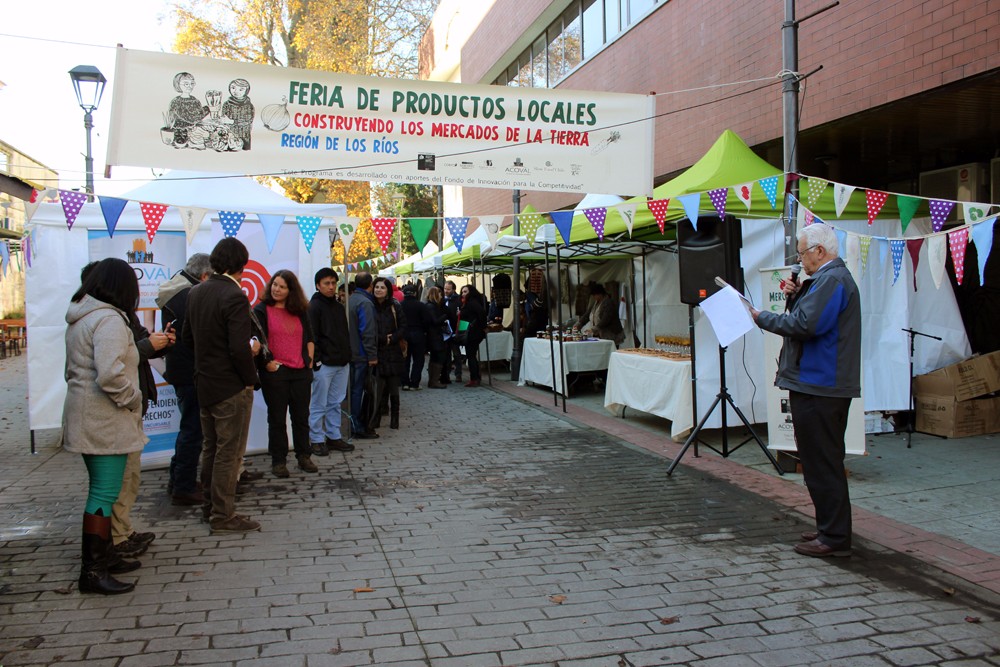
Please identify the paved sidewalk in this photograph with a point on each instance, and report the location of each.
(487, 532)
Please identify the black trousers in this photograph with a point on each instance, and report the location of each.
(287, 392)
(820, 423)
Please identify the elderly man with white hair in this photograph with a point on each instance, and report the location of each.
(820, 366)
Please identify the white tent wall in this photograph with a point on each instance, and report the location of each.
(886, 310)
(54, 275)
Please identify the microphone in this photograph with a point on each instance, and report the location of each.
(796, 270)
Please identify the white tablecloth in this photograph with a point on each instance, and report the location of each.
(579, 356)
(651, 384)
(501, 345)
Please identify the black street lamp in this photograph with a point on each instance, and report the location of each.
(88, 83)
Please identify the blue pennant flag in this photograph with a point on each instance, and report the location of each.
(770, 187)
(112, 208)
(272, 225)
(231, 222)
(457, 228)
(691, 204)
(563, 221)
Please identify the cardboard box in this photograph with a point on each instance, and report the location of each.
(951, 418)
(965, 380)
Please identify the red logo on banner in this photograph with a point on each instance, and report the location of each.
(254, 281)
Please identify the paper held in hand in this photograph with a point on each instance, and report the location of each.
(728, 311)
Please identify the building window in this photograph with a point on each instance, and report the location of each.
(580, 33)
(4, 162)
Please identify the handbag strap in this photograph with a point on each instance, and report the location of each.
(262, 337)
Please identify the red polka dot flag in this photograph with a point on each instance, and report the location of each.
(875, 200)
(957, 241)
(152, 216)
(658, 207)
(383, 230)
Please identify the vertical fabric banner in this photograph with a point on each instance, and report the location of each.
(152, 216)
(420, 230)
(347, 227)
(457, 228)
(563, 220)
(111, 208)
(231, 222)
(308, 226)
(191, 217)
(72, 202)
(271, 224)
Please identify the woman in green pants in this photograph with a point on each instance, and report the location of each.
(102, 415)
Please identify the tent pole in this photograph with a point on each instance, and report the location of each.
(552, 333)
(515, 353)
(559, 311)
(645, 301)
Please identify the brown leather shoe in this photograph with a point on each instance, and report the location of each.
(250, 476)
(237, 524)
(817, 549)
(306, 464)
(186, 499)
(809, 536)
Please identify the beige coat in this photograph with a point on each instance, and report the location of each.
(103, 409)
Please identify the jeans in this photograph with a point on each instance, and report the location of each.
(226, 425)
(187, 447)
(359, 373)
(414, 367)
(329, 389)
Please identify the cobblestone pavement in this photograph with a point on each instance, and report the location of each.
(487, 532)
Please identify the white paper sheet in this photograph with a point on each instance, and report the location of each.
(727, 311)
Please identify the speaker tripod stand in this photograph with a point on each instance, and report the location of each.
(724, 398)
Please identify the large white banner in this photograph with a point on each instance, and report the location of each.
(215, 115)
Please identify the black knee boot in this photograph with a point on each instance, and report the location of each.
(394, 411)
(94, 576)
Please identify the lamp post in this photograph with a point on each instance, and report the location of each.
(399, 198)
(88, 83)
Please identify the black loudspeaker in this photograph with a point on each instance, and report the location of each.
(711, 250)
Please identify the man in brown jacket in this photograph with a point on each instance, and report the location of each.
(217, 328)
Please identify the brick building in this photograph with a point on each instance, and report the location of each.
(906, 87)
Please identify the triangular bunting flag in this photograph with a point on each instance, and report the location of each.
(563, 220)
(936, 251)
(913, 246)
(627, 213)
(841, 196)
(853, 255)
(940, 208)
(112, 208)
(802, 214)
(491, 223)
(718, 198)
(982, 236)
(308, 226)
(958, 240)
(875, 200)
(744, 193)
(597, 216)
(897, 247)
(658, 207)
(457, 227)
(191, 217)
(810, 218)
(31, 205)
(72, 202)
(272, 224)
(26, 249)
(841, 241)
(866, 245)
(347, 227)
(231, 222)
(770, 187)
(973, 212)
(152, 216)
(907, 207)
(420, 230)
(4, 257)
(529, 224)
(883, 252)
(691, 203)
(383, 231)
(814, 189)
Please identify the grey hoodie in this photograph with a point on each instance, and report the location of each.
(103, 409)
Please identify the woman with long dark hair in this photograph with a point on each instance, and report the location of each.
(391, 327)
(436, 343)
(102, 415)
(473, 311)
(286, 369)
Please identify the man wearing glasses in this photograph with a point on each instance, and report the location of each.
(820, 366)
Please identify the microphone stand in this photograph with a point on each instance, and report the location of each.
(911, 423)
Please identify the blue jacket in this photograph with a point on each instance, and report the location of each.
(362, 324)
(821, 354)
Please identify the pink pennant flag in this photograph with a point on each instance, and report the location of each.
(913, 247)
(810, 217)
(718, 198)
(658, 207)
(876, 200)
(72, 202)
(152, 215)
(596, 216)
(940, 208)
(957, 241)
(383, 230)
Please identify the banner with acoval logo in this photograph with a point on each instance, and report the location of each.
(202, 114)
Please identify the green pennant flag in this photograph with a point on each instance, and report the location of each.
(907, 207)
(420, 230)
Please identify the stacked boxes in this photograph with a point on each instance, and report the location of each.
(956, 401)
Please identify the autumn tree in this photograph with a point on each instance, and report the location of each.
(365, 37)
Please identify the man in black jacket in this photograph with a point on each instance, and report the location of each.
(328, 319)
(453, 352)
(218, 330)
(172, 300)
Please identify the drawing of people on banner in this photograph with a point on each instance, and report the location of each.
(239, 109)
(221, 127)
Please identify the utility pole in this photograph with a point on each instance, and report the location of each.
(515, 353)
